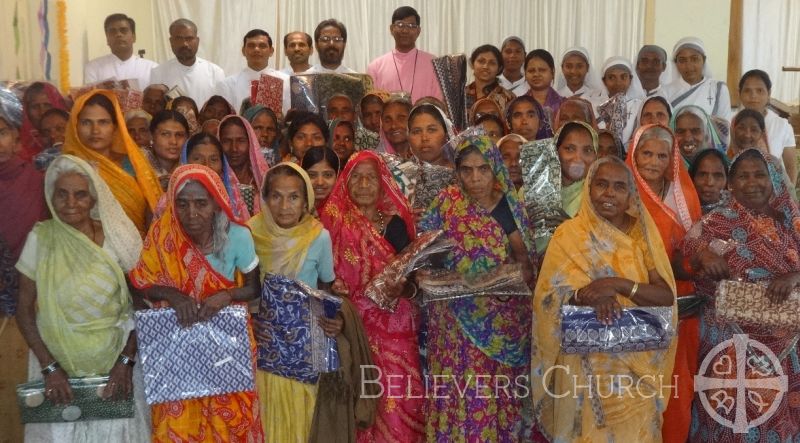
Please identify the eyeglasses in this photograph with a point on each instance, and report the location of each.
(328, 39)
(404, 25)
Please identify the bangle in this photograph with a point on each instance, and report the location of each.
(52, 367)
(414, 295)
(576, 296)
(633, 290)
(125, 360)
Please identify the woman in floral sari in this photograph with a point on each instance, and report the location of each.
(479, 335)
(761, 226)
(369, 221)
(198, 258)
(610, 257)
(96, 133)
(668, 193)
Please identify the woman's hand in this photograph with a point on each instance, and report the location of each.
(210, 306)
(607, 309)
(600, 288)
(780, 288)
(184, 306)
(711, 265)
(57, 388)
(120, 382)
(339, 288)
(331, 326)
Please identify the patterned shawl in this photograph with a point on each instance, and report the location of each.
(30, 142)
(258, 165)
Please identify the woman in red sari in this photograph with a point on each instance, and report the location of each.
(369, 221)
(198, 258)
(668, 193)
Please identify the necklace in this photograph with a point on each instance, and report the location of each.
(381, 223)
(413, 75)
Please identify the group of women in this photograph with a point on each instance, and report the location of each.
(197, 213)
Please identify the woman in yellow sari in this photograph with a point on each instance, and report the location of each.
(96, 133)
(609, 256)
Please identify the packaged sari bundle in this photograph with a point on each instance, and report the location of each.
(426, 181)
(541, 184)
(127, 91)
(502, 282)
(87, 403)
(614, 113)
(311, 92)
(205, 359)
(268, 91)
(638, 329)
(744, 302)
(291, 343)
(451, 71)
(412, 258)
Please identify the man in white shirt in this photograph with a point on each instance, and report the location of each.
(257, 49)
(121, 64)
(650, 66)
(406, 68)
(298, 47)
(330, 38)
(513, 77)
(195, 77)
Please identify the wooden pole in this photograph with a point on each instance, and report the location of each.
(735, 50)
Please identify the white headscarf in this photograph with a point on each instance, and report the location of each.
(692, 43)
(635, 90)
(592, 79)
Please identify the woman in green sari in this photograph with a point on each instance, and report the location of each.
(576, 144)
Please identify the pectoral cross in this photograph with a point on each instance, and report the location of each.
(710, 96)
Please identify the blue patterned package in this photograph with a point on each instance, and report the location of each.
(206, 359)
(639, 329)
(291, 343)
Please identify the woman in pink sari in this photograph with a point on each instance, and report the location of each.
(369, 221)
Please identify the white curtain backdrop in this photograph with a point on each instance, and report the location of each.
(604, 27)
(770, 41)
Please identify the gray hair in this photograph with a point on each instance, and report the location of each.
(657, 133)
(220, 226)
(62, 168)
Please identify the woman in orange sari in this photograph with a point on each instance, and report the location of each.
(197, 259)
(96, 132)
(669, 195)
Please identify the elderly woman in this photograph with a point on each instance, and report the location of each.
(243, 152)
(138, 124)
(574, 109)
(709, 172)
(694, 85)
(267, 128)
(540, 69)
(669, 196)
(486, 63)
(75, 308)
(370, 221)
(695, 131)
(97, 134)
(760, 222)
(198, 258)
(370, 110)
(577, 78)
(608, 257)
(509, 147)
(526, 117)
(37, 99)
(479, 335)
(755, 87)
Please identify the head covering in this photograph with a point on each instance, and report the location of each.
(643, 103)
(672, 224)
(136, 194)
(170, 258)
(449, 130)
(283, 250)
(513, 38)
(82, 296)
(592, 80)
(138, 113)
(360, 251)
(733, 148)
(620, 148)
(30, 143)
(586, 105)
(583, 249)
(258, 165)
(511, 137)
(711, 138)
(545, 129)
(635, 89)
(213, 98)
(690, 43)
(472, 111)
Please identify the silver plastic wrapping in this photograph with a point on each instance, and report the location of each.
(541, 184)
(505, 281)
(614, 114)
(638, 329)
(311, 92)
(10, 106)
(451, 71)
(87, 403)
(205, 359)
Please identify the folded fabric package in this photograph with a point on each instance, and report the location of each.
(311, 92)
(205, 359)
(127, 91)
(744, 302)
(268, 91)
(502, 282)
(639, 329)
(451, 72)
(296, 347)
(87, 403)
(541, 184)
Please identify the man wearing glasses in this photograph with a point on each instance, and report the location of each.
(195, 77)
(405, 68)
(330, 38)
